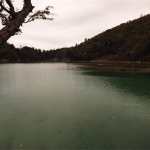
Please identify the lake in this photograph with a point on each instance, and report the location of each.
(62, 106)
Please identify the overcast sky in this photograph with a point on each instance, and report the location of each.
(76, 20)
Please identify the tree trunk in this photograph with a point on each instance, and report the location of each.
(12, 27)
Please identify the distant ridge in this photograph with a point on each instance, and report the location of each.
(128, 41)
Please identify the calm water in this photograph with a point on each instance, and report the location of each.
(59, 106)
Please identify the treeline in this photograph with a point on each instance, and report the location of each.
(129, 41)
(9, 52)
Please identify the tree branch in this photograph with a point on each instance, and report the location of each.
(40, 15)
(14, 19)
(4, 8)
(5, 21)
(27, 2)
(12, 11)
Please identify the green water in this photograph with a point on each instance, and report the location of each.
(60, 106)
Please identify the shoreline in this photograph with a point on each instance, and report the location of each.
(105, 65)
(123, 66)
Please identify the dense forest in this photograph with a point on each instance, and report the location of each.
(129, 41)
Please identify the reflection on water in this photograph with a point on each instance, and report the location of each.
(58, 106)
(131, 82)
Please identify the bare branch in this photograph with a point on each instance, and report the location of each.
(12, 11)
(3, 8)
(27, 2)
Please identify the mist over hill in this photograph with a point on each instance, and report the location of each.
(129, 41)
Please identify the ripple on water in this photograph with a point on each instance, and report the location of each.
(59, 106)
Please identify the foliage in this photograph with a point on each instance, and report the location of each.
(128, 41)
(40, 14)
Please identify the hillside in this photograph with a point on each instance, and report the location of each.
(127, 42)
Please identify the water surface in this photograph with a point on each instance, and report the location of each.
(59, 106)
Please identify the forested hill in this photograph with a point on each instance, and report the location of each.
(129, 41)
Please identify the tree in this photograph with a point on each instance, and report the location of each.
(12, 19)
(85, 40)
